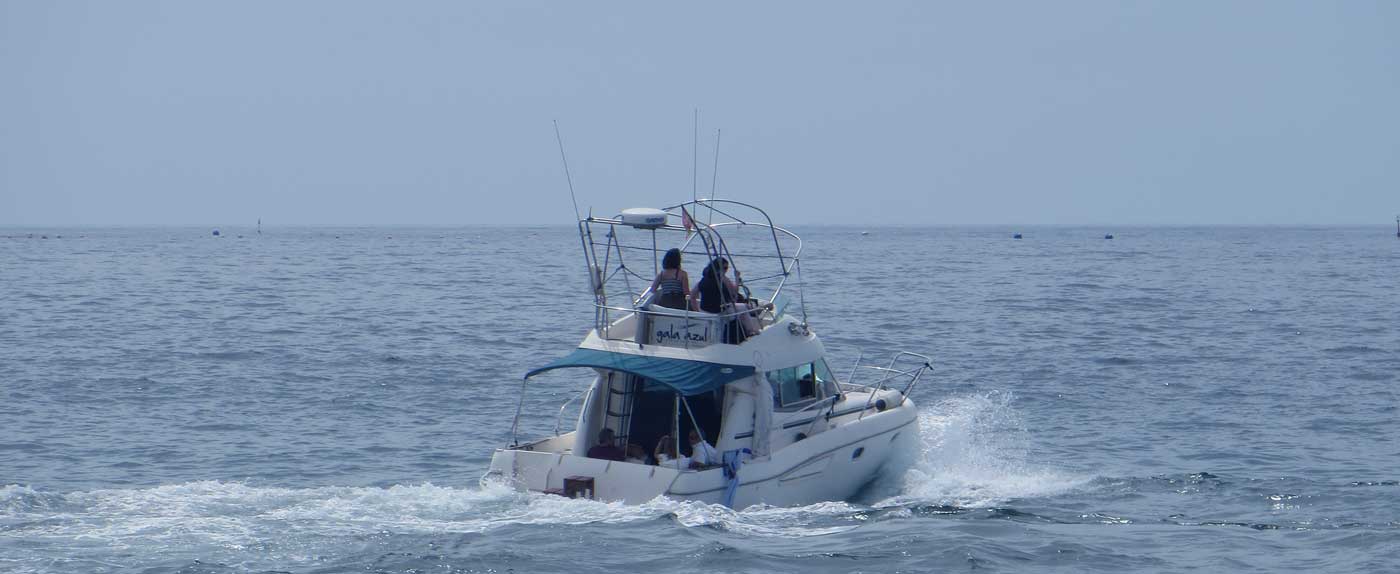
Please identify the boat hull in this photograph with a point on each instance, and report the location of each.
(831, 465)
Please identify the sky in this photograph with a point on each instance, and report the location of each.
(346, 112)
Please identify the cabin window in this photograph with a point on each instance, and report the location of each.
(790, 392)
(825, 379)
(796, 387)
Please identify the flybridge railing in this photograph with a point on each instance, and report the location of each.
(890, 373)
(607, 264)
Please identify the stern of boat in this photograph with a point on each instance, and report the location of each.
(577, 476)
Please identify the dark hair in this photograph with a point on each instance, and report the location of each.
(715, 268)
(672, 259)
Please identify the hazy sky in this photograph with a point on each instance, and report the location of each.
(918, 112)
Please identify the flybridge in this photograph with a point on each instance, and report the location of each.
(624, 257)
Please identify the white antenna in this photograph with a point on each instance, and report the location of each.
(715, 176)
(566, 169)
(694, 157)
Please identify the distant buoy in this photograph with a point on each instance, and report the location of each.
(1016, 236)
(216, 233)
(1108, 236)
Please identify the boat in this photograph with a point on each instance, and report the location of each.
(753, 383)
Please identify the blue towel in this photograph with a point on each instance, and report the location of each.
(732, 461)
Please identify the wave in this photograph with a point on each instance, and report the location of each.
(1352, 350)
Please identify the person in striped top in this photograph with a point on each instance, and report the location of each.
(672, 285)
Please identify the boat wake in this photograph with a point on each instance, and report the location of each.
(973, 454)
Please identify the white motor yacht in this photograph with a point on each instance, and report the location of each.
(750, 381)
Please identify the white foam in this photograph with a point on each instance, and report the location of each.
(975, 454)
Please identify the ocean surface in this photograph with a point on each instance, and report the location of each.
(324, 399)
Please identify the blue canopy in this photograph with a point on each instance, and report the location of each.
(685, 376)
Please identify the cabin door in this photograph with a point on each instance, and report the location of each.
(655, 415)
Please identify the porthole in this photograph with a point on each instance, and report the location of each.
(859, 451)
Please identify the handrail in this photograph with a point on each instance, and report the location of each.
(860, 354)
(515, 423)
(892, 373)
(814, 403)
(560, 418)
(808, 430)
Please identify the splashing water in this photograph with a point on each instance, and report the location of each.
(975, 453)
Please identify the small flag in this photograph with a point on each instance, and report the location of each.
(687, 222)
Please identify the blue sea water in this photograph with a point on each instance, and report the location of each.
(318, 399)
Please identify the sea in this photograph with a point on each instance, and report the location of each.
(325, 399)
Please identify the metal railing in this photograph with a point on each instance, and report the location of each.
(829, 401)
(560, 418)
(889, 373)
(606, 262)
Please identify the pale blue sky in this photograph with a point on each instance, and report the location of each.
(915, 112)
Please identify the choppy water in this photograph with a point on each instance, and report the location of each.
(325, 399)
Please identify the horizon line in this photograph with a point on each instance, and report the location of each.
(803, 224)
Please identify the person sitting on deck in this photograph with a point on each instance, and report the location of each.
(701, 453)
(605, 449)
(720, 295)
(666, 455)
(635, 454)
(672, 285)
(714, 289)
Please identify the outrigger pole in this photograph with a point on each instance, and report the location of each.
(568, 177)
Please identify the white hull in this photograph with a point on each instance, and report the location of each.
(830, 465)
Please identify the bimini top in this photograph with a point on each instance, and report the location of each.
(687, 377)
